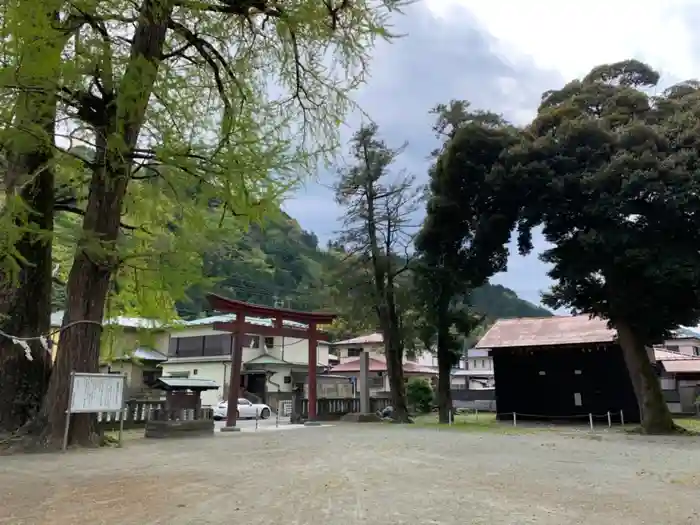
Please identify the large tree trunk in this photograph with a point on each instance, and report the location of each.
(656, 418)
(445, 363)
(394, 366)
(96, 259)
(25, 303)
(25, 309)
(25, 312)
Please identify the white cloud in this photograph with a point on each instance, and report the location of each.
(572, 37)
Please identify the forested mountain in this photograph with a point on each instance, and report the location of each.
(283, 265)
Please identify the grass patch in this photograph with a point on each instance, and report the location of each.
(482, 422)
(689, 423)
(111, 437)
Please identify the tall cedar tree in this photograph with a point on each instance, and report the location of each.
(613, 175)
(468, 224)
(171, 96)
(378, 208)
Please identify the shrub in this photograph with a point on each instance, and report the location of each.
(419, 394)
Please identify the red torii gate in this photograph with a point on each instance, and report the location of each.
(239, 327)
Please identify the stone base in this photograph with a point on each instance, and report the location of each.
(357, 417)
(312, 424)
(230, 429)
(168, 429)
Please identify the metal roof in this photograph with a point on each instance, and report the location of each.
(143, 353)
(225, 318)
(125, 322)
(375, 338)
(682, 366)
(547, 331)
(378, 365)
(185, 383)
(267, 359)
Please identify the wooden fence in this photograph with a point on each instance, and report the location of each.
(330, 408)
(135, 415)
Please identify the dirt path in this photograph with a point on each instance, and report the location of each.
(361, 474)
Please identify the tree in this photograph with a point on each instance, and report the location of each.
(468, 223)
(612, 177)
(32, 39)
(376, 234)
(173, 99)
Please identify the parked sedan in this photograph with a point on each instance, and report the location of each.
(246, 410)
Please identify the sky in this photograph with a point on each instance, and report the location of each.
(500, 55)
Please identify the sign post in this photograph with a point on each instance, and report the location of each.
(94, 393)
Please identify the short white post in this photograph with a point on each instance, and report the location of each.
(609, 420)
(622, 417)
(256, 419)
(590, 420)
(277, 415)
(515, 422)
(476, 414)
(449, 418)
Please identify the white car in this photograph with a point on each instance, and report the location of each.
(246, 410)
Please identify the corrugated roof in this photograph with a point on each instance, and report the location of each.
(375, 338)
(547, 331)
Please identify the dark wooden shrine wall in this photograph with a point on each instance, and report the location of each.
(543, 382)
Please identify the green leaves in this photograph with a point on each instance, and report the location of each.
(611, 174)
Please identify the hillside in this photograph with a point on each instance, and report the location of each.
(283, 265)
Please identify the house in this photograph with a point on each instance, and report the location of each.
(132, 346)
(378, 375)
(679, 375)
(685, 341)
(272, 366)
(477, 373)
(558, 368)
(373, 344)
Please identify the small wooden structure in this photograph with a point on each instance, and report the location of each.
(239, 327)
(182, 415)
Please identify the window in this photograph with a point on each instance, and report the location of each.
(189, 346)
(183, 374)
(243, 401)
(354, 352)
(269, 342)
(483, 363)
(672, 348)
(217, 345)
(696, 350)
(254, 341)
(194, 372)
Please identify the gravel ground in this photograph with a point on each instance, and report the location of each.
(368, 474)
